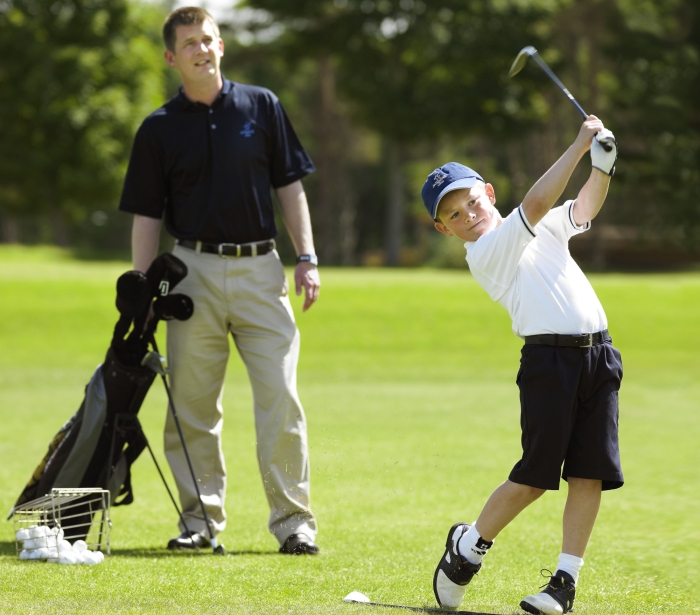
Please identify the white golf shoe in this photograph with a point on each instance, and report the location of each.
(453, 572)
(556, 599)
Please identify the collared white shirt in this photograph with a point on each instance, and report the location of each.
(530, 272)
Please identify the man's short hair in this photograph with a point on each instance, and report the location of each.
(185, 16)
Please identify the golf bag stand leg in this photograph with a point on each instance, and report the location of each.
(218, 549)
(124, 422)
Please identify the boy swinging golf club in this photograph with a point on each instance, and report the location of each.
(569, 373)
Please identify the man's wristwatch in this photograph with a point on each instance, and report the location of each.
(308, 258)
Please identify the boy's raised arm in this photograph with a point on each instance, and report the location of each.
(547, 190)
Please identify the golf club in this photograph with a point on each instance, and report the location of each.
(154, 361)
(531, 52)
(358, 598)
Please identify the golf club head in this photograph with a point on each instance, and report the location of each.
(521, 60)
(153, 361)
(220, 550)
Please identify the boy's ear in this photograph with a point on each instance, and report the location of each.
(443, 229)
(488, 188)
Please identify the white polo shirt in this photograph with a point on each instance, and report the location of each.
(530, 272)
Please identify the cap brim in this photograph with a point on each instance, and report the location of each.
(467, 182)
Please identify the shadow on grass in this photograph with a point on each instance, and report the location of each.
(151, 553)
(8, 547)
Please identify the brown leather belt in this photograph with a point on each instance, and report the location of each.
(582, 340)
(225, 250)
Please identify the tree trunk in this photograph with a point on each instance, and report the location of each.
(10, 229)
(396, 204)
(325, 164)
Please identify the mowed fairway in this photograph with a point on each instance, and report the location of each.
(407, 378)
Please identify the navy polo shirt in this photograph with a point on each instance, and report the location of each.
(208, 170)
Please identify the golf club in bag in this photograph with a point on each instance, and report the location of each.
(100, 442)
(531, 52)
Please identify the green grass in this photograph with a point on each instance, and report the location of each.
(407, 378)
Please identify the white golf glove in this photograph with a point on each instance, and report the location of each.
(601, 159)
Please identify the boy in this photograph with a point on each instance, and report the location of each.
(569, 373)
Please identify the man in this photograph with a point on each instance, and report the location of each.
(205, 163)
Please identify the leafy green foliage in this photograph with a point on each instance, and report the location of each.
(76, 78)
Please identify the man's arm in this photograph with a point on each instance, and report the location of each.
(145, 237)
(295, 211)
(547, 190)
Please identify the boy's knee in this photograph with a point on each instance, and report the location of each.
(585, 484)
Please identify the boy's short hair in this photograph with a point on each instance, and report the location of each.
(185, 16)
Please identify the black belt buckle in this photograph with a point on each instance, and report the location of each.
(222, 246)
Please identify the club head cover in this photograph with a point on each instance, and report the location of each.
(165, 273)
(175, 306)
(132, 293)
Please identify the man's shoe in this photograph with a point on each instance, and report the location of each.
(556, 599)
(299, 544)
(183, 541)
(453, 572)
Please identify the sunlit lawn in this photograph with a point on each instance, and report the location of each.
(407, 378)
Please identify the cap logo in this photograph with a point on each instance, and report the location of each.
(439, 178)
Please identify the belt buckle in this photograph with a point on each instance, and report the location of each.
(221, 249)
(588, 338)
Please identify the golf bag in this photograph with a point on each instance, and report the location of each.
(100, 442)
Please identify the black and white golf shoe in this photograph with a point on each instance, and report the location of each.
(556, 599)
(453, 572)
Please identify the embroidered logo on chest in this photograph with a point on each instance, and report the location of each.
(248, 130)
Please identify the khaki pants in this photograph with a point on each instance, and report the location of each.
(247, 297)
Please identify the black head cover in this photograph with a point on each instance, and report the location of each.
(165, 272)
(177, 306)
(132, 293)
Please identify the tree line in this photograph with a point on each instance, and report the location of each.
(381, 92)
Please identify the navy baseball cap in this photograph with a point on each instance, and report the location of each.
(444, 179)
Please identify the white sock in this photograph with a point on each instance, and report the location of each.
(570, 564)
(472, 546)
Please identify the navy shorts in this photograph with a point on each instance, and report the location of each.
(569, 415)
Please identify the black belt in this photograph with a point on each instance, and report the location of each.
(582, 340)
(229, 249)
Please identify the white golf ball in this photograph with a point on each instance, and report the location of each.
(68, 558)
(79, 545)
(81, 556)
(41, 541)
(100, 556)
(24, 554)
(64, 545)
(90, 559)
(22, 534)
(34, 554)
(30, 544)
(52, 553)
(42, 553)
(33, 531)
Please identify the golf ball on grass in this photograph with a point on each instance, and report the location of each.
(79, 546)
(68, 558)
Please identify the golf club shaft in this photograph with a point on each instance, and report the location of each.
(170, 493)
(184, 448)
(536, 57)
(420, 609)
